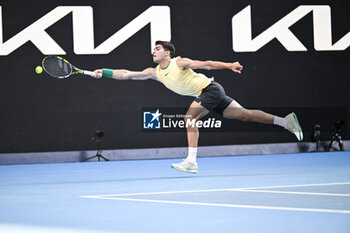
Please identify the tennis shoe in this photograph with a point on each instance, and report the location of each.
(293, 126)
(186, 166)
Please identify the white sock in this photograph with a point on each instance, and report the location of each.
(192, 154)
(280, 121)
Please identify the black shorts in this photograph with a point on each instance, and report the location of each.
(214, 99)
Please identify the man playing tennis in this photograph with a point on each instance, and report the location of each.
(177, 74)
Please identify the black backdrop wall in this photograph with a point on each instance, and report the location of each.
(39, 113)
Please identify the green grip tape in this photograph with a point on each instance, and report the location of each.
(108, 73)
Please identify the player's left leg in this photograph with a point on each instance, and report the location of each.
(235, 111)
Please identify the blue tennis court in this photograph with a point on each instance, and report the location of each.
(306, 192)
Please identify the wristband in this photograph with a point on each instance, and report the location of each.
(108, 73)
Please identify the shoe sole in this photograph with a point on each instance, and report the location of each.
(299, 127)
(183, 170)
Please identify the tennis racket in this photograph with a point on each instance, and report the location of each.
(59, 67)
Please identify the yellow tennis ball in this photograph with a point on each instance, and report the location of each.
(38, 69)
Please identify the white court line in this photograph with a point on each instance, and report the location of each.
(224, 205)
(168, 192)
(298, 193)
(251, 189)
(297, 185)
(215, 190)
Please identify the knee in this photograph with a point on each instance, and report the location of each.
(190, 123)
(240, 114)
(246, 116)
(189, 118)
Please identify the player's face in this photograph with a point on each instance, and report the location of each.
(159, 54)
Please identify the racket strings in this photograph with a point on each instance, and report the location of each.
(57, 67)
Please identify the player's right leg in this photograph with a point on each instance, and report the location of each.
(209, 99)
(290, 122)
(195, 112)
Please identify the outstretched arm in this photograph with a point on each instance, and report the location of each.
(149, 73)
(185, 63)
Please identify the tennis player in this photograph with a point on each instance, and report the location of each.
(177, 74)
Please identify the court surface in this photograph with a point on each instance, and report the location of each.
(306, 192)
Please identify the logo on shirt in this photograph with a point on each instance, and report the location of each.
(152, 119)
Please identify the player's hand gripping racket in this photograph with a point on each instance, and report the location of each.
(60, 68)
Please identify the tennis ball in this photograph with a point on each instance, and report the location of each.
(38, 69)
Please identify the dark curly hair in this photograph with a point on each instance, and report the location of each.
(168, 46)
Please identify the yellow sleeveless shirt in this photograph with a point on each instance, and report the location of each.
(183, 82)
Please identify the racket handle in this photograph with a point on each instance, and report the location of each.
(86, 72)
